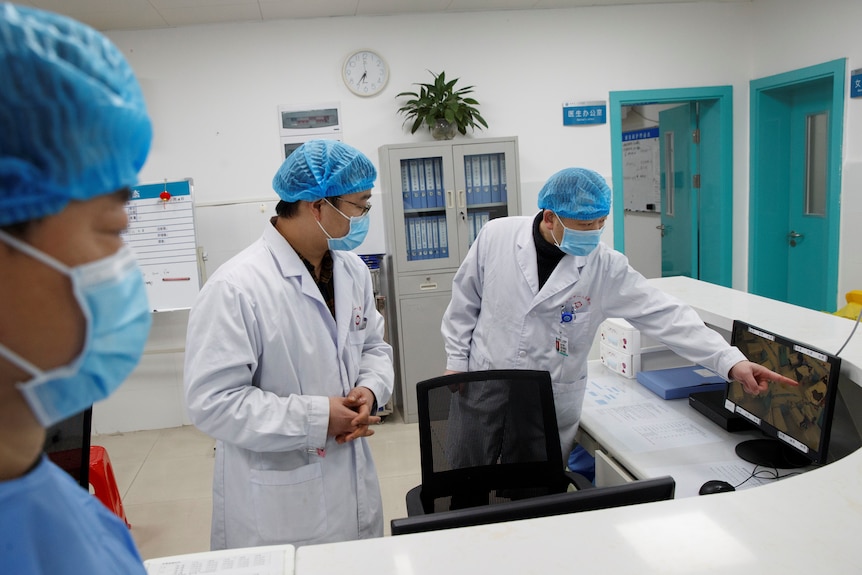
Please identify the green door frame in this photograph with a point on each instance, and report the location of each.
(724, 97)
(834, 70)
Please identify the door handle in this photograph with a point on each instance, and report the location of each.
(793, 236)
(661, 228)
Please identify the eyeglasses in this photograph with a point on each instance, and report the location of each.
(365, 209)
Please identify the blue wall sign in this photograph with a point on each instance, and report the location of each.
(642, 134)
(856, 83)
(581, 113)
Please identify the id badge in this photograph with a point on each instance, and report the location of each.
(562, 340)
(562, 344)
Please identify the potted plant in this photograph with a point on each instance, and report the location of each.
(442, 108)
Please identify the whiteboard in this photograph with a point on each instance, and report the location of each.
(161, 234)
(641, 170)
(226, 229)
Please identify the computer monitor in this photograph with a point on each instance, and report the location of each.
(642, 491)
(67, 444)
(797, 419)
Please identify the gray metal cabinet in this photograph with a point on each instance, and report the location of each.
(437, 195)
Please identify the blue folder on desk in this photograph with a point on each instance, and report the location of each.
(679, 382)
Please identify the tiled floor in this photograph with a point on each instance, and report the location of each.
(165, 478)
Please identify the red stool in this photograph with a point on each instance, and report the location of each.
(103, 482)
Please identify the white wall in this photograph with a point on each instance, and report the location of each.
(213, 92)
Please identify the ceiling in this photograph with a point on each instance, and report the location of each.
(147, 14)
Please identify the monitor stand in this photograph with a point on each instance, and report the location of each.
(771, 453)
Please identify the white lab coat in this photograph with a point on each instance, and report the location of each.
(499, 319)
(263, 354)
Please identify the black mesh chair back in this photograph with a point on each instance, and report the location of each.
(488, 437)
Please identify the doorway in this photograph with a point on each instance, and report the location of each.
(685, 229)
(797, 123)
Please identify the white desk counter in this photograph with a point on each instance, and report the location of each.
(808, 523)
(650, 436)
(719, 306)
(804, 524)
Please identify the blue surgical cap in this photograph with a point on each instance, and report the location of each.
(576, 193)
(322, 169)
(73, 124)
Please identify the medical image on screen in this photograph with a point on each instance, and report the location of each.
(797, 411)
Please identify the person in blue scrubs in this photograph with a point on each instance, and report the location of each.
(74, 316)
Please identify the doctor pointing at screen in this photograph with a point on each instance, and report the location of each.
(532, 292)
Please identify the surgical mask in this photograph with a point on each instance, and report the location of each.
(355, 236)
(578, 242)
(113, 299)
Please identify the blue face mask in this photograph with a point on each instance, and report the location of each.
(355, 236)
(113, 299)
(578, 242)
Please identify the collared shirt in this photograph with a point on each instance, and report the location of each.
(325, 283)
(547, 254)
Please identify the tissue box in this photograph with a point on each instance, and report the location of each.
(625, 364)
(619, 334)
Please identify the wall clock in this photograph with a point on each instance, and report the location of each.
(365, 73)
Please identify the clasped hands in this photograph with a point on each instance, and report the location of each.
(350, 417)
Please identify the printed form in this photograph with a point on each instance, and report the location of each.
(638, 420)
(273, 560)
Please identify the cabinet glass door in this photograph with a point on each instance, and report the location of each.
(425, 232)
(482, 176)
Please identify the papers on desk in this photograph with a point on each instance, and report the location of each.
(638, 420)
(271, 560)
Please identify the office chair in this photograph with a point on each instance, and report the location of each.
(488, 437)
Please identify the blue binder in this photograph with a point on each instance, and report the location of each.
(406, 189)
(679, 382)
(485, 194)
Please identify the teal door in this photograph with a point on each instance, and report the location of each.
(679, 248)
(807, 221)
(698, 238)
(794, 186)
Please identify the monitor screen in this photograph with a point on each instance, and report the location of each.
(797, 419)
(642, 491)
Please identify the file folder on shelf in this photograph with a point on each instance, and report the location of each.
(496, 198)
(430, 188)
(476, 163)
(485, 195)
(504, 193)
(406, 190)
(438, 182)
(444, 238)
(679, 382)
(414, 183)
